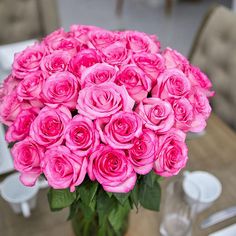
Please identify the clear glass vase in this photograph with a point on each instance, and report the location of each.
(179, 211)
(84, 227)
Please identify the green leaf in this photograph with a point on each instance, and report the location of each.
(109, 194)
(87, 192)
(117, 217)
(134, 196)
(105, 204)
(73, 210)
(150, 197)
(10, 145)
(60, 198)
(88, 213)
(160, 178)
(150, 178)
(121, 197)
(102, 230)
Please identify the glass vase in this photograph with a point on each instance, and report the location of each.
(83, 226)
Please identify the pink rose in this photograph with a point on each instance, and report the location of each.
(27, 61)
(49, 126)
(81, 136)
(83, 60)
(27, 157)
(55, 34)
(21, 125)
(60, 40)
(8, 86)
(112, 169)
(10, 107)
(61, 88)
(157, 114)
(122, 128)
(116, 54)
(156, 41)
(56, 62)
(152, 64)
(198, 78)
(97, 74)
(101, 39)
(30, 89)
(186, 119)
(143, 152)
(174, 59)
(63, 169)
(67, 43)
(103, 100)
(140, 42)
(183, 114)
(172, 153)
(200, 103)
(81, 32)
(172, 84)
(137, 83)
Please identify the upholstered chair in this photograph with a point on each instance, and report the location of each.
(21, 20)
(214, 51)
(26, 19)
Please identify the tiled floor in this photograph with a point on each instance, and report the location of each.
(176, 30)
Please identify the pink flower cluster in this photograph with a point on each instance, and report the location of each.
(108, 104)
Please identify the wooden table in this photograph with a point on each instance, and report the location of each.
(214, 152)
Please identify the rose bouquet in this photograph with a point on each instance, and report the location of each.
(102, 115)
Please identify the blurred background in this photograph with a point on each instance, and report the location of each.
(207, 37)
(175, 22)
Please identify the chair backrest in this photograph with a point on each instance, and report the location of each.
(214, 51)
(26, 19)
(21, 20)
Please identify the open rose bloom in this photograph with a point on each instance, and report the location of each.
(101, 105)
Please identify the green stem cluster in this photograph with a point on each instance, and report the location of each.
(94, 211)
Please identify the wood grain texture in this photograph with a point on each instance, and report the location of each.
(214, 152)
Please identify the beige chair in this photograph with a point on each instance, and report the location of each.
(26, 19)
(21, 20)
(214, 51)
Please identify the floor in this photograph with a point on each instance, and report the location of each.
(176, 30)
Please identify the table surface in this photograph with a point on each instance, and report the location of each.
(214, 152)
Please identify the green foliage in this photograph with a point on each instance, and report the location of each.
(105, 204)
(118, 215)
(106, 212)
(121, 197)
(60, 198)
(73, 210)
(109, 194)
(150, 192)
(88, 212)
(150, 179)
(134, 197)
(87, 192)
